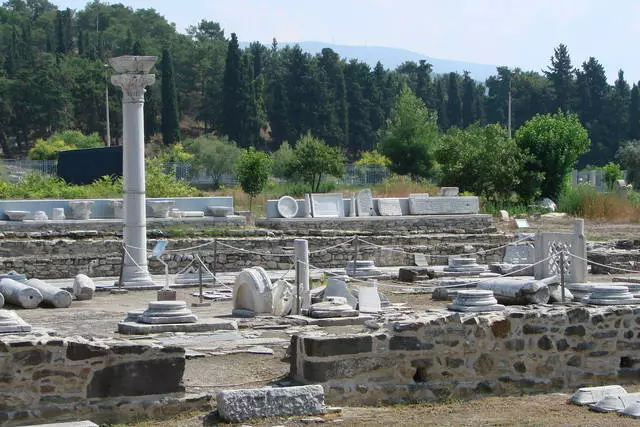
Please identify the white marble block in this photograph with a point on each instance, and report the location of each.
(364, 203)
(389, 207)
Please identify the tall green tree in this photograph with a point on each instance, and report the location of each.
(554, 143)
(170, 124)
(313, 160)
(409, 137)
(454, 104)
(468, 100)
(232, 95)
(634, 113)
(561, 74)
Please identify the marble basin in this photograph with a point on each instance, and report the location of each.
(219, 211)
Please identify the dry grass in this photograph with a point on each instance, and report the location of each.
(610, 207)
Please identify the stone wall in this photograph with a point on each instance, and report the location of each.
(470, 223)
(440, 354)
(50, 378)
(617, 258)
(65, 257)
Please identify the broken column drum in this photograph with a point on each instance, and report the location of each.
(52, 295)
(19, 294)
(252, 291)
(163, 312)
(133, 76)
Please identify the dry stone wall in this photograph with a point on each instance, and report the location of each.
(64, 257)
(43, 377)
(440, 355)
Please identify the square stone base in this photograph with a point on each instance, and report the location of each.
(204, 325)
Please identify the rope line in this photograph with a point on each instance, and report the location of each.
(603, 265)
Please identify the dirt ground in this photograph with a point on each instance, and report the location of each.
(230, 363)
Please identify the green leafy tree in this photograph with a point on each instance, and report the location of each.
(313, 160)
(409, 136)
(60, 141)
(482, 160)
(629, 156)
(253, 172)
(281, 159)
(215, 155)
(612, 172)
(170, 124)
(554, 143)
(47, 150)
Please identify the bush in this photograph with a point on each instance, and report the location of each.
(612, 172)
(61, 141)
(585, 201)
(629, 156)
(253, 172)
(162, 184)
(314, 160)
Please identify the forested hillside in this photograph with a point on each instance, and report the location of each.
(53, 77)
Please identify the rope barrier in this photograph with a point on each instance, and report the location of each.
(332, 247)
(603, 265)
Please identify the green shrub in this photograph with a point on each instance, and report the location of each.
(161, 184)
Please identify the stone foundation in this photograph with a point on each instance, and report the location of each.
(440, 355)
(45, 378)
(423, 224)
(94, 256)
(618, 258)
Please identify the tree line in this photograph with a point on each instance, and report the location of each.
(53, 78)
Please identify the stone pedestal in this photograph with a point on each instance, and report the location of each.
(333, 307)
(167, 312)
(611, 295)
(475, 300)
(362, 268)
(133, 76)
(10, 323)
(160, 208)
(463, 264)
(57, 214)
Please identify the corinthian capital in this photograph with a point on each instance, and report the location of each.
(133, 85)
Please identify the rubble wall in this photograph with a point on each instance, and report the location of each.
(440, 355)
(50, 378)
(55, 258)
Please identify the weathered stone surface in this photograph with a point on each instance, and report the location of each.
(51, 295)
(10, 322)
(83, 287)
(364, 202)
(412, 274)
(138, 378)
(449, 205)
(19, 294)
(516, 291)
(389, 207)
(203, 325)
(240, 405)
(324, 346)
(252, 291)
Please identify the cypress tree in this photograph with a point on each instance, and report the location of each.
(454, 105)
(561, 75)
(634, 113)
(170, 124)
(232, 92)
(468, 97)
(441, 102)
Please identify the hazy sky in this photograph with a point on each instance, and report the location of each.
(503, 32)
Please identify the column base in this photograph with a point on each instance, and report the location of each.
(133, 276)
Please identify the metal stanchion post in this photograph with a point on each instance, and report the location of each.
(562, 274)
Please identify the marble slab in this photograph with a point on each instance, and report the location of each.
(389, 207)
(364, 203)
(444, 205)
(327, 205)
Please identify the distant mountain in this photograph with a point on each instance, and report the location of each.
(392, 57)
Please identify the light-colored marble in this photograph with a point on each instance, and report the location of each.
(327, 205)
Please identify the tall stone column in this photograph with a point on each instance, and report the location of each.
(132, 77)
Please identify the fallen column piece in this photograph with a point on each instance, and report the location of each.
(239, 405)
(51, 295)
(83, 287)
(19, 294)
(520, 292)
